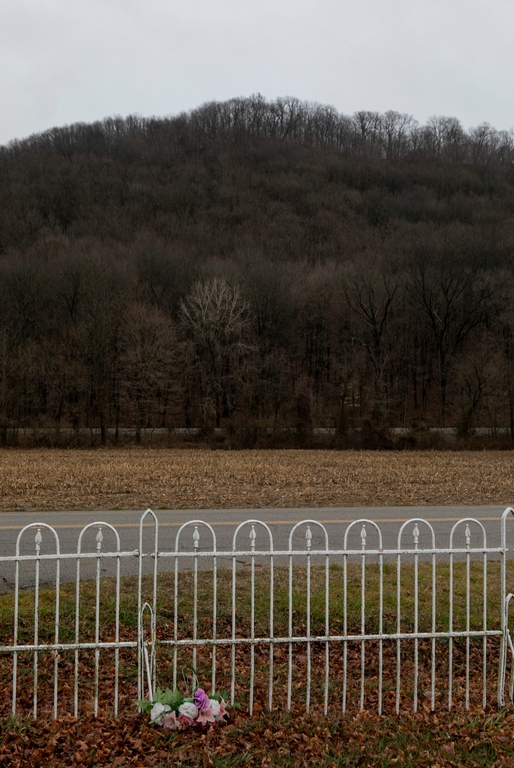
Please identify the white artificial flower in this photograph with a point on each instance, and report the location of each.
(158, 711)
(215, 706)
(188, 709)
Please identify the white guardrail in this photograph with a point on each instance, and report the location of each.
(353, 626)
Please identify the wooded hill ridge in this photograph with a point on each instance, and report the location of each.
(262, 266)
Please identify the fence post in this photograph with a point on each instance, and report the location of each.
(152, 606)
(503, 608)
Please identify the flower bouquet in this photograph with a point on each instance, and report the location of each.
(172, 710)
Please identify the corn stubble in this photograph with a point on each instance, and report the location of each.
(203, 479)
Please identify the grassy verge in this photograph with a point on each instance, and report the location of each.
(281, 589)
(345, 605)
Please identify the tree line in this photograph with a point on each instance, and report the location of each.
(258, 266)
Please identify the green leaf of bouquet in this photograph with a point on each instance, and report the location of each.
(145, 705)
(219, 695)
(174, 699)
(158, 696)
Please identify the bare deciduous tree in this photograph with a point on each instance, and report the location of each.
(147, 363)
(215, 316)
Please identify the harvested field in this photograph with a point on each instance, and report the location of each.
(200, 479)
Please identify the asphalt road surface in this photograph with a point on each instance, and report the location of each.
(68, 526)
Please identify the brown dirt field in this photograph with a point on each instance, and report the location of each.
(200, 479)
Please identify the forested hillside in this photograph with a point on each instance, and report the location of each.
(258, 265)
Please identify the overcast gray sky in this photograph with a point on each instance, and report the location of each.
(63, 61)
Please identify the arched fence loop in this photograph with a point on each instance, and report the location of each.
(363, 552)
(100, 548)
(196, 554)
(412, 528)
(313, 614)
(38, 556)
(308, 553)
(253, 552)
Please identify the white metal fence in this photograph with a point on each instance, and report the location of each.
(329, 627)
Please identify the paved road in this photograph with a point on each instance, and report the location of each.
(68, 526)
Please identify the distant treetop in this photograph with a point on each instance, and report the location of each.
(240, 120)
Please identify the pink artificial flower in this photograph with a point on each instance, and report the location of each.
(202, 700)
(170, 721)
(205, 716)
(185, 720)
(223, 709)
